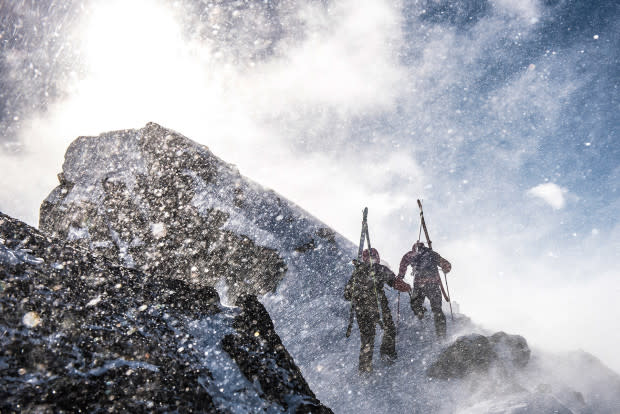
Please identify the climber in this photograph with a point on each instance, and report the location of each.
(426, 282)
(365, 290)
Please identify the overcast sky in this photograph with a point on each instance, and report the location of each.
(502, 116)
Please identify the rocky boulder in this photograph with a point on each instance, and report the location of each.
(510, 349)
(477, 353)
(145, 198)
(79, 332)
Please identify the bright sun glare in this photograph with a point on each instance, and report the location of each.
(139, 67)
(127, 38)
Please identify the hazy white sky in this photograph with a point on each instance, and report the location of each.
(376, 103)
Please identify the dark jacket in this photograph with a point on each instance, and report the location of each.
(365, 289)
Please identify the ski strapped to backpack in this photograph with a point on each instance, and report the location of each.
(359, 258)
(430, 246)
(364, 236)
(374, 280)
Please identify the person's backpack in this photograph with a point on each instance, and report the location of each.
(425, 263)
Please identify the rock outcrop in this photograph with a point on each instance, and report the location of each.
(164, 204)
(155, 201)
(80, 332)
(510, 349)
(152, 200)
(255, 345)
(477, 353)
(135, 196)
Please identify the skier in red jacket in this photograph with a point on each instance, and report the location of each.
(426, 282)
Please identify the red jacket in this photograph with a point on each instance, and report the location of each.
(424, 263)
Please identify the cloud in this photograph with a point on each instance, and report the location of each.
(526, 9)
(344, 65)
(348, 60)
(550, 193)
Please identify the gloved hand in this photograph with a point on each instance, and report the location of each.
(445, 265)
(401, 285)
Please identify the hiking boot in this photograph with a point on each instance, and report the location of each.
(365, 370)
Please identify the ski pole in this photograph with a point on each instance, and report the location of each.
(397, 312)
(448, 289)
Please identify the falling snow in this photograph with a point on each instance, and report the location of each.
(502, 115)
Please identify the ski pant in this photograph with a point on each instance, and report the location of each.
(367, 325)
(432, 291)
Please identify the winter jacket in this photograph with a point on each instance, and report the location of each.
(365, 289)
(424, 264)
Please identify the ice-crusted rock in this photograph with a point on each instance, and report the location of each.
(255, 345)
(476, 353)
(157, 201)
(135, 196)
(488, 375)
(81, 333)
(161, 203)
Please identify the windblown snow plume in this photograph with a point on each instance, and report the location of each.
(469, 105)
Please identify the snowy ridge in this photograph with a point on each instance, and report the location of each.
(305, 302)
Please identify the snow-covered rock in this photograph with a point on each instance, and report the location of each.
(471, 353)
(79, 332)
(151, 199)
(477, 353)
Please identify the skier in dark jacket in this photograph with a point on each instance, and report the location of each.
(426, 282)
(365, 290)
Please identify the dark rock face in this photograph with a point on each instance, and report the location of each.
(78, 332)
(138, 196)
(255, 346)
(467, 354)
(476, 353)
